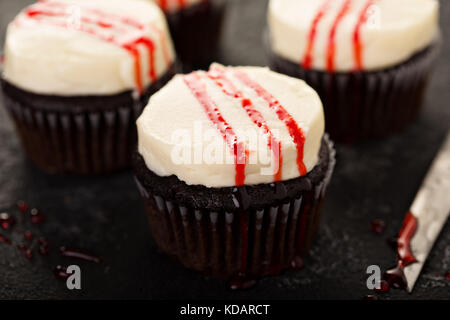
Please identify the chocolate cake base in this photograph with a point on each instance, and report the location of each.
(244, 232)
(366, 105)
(196, 32)
(78, 134)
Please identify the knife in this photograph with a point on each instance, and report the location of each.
(426, 218)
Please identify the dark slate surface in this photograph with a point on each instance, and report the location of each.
(105, 214)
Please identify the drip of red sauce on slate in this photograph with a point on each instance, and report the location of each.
(28, 235)
(294, 130)
(73, 253)
(308, 59)
(22, 206)
(60, 272)
(384, 286)
(395, 276)
(106, 21)
(218, 75)
(37, 217)
(357, 44)
(6, 220)
(447, 275)
(378, 226)
(198, 89)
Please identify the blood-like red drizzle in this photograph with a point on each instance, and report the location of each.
(108, 21)
(405, 256)
(198, 89)
(357, 44)
(308, 59)
(72, 253)
(218, 75)
(294, 130)
(331, 51)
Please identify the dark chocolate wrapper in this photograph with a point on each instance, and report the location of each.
(78, 135)
(367, 105)
(247, 242)
(196, 32)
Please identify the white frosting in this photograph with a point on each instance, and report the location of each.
(55, 55)
(394, 31)
(175, 109)
(174, 5)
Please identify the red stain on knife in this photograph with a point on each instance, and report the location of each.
(396, 276)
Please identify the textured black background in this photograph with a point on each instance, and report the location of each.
(105, 214)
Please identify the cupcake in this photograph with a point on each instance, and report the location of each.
(369, 60)
(77, 74)
(196, 27)
(233, 166)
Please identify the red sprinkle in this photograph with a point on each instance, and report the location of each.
(28, 236)
(37, 217)
(22, 205)
(378, 226)
(29, 254)
(3, 239)
(6, 220)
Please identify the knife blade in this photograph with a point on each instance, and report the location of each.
(431, 208)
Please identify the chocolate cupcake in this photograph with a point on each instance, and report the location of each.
(369, 60)
(233, 166)
(77, 74)
(196, 27)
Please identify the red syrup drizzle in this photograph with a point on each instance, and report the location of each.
(218, 75)
(43, 8)
(331, 50)
(308, 59)
(73, 253)
(396, 277)
(357, 44)
(447, 276)
(198, 89)
(294, 130)
(37, 217)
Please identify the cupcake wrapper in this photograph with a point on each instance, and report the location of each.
(75, 140)
(196, 32)
(365, 105)
(249, 243)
